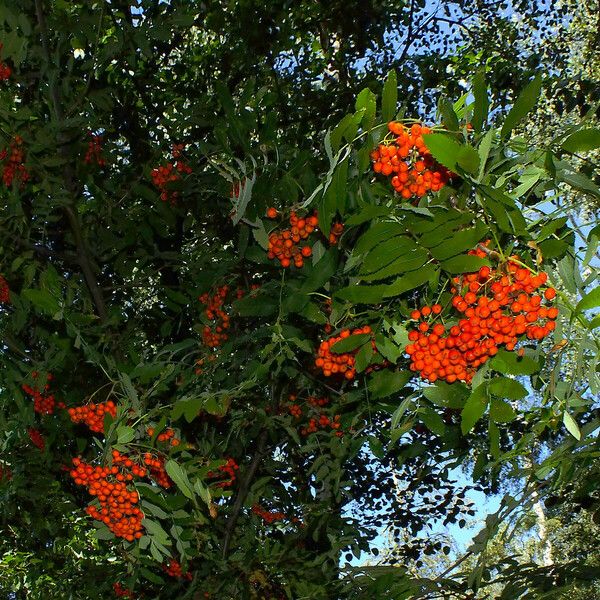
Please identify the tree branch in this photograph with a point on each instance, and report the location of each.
(82, 254)
(243, 490)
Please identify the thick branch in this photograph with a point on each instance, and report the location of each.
(243, 490)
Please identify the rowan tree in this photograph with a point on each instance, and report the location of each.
(252, 311)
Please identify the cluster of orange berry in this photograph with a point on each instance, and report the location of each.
(500, 306)
(296, 410)
(94, 151)
(42, 404)
(314, 423)
(332, 363)
(323, 422)
(214, 311)
(266, 515)
(156, 464)
(173, 569)
(285, 246)
(5, 70)
(118, 510)
(13, 163)
(407, 160)
(4, 291)
(165, 436)
(229, 469)
(122, 592)
(37, 439)
(93, 414)
(169, 173)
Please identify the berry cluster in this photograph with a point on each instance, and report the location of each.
(37, 439)
(156, 465)
(5, 70)
(94, 151)
(212, 338)
(173, 569)
(118, 510)
(285, 246)
(323, 422)
(332, 363)
(93, 414)
(229, 470)
(122, 592)
(4, 291)
(499, 305)
(315, 423)
(168, 435)
(169, 173)
(407, 160)
(13, 163)
(266, 515)
(42, 404)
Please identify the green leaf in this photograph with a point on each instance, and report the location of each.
(364, 294)
(432, 420)
(571, 425)
(156, 531)
(190, 407)
(589, 301)
(386, 252)
(125, 434)
(504, 387)
(363, 358)
(481, 103)
(484, 151)
(180, 478)
(389, 97)
(337, 133)
(525, 102)
(334, 198)
(413, 259)
(399, 412)
(474, 408)
(468, 159)
(44, 301)
(443, 148)
(350, 343)
(501, 411)
(446, 111)
(582, 140)
(448, 395)
(385, 383)
(367, 101)
(460, 242)
(410, 281)
(510, 364)
(202, 491)
(464, 264)
(321, 272)
(251, 306)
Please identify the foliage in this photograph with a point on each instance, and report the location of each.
(147, 334)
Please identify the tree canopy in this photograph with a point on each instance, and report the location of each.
(277, 278)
